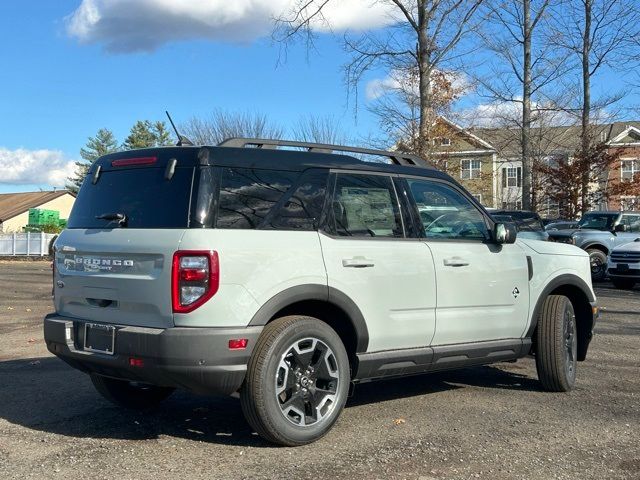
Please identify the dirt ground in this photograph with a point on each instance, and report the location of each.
(487, 422)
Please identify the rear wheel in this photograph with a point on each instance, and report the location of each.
(297, 381)
(557, 344)
(598, 264)
(623, 283)
(130, 394)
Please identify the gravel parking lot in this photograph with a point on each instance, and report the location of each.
(486, 422)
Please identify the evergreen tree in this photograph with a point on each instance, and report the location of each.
(147, 134)
(103, 143)
(163, 136)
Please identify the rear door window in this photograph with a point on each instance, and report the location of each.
(365, 206)
(302, 207)
(143, 195)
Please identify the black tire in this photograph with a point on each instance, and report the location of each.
(51, 243)
(598, 261)
(130, 395)
(623, 283)
(557, 344)
(279, 391)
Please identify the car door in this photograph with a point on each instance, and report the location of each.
(483, 288)
(389, 277)
(631, 221)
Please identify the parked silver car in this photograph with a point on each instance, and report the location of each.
(624, 265)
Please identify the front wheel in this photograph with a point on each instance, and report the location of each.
(557, 344)
(129, 394)
(623, 283)
(598, 261)
(297, 381)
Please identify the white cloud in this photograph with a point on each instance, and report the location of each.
(509, 114)
(47, 167)
(144, 25)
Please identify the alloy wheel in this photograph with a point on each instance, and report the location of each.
(307, 381)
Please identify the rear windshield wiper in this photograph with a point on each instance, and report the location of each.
(121, 218)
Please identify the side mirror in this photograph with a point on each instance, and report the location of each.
(621, 228)
(504, 233)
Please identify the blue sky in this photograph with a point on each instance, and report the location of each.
(61, 81)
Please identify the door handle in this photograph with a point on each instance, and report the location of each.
(357, 262)
(455, 262)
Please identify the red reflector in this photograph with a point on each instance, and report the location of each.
(134, 161)
(238, 343)
(136, 362)
(193, 275)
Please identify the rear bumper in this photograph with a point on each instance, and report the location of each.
(197, 359)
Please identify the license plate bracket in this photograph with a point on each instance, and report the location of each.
(623, 267)
(99, 338)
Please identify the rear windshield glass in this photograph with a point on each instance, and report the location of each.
(525, 221)
(598, 221)
(142, 195)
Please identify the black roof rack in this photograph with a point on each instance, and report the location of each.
(397, 158)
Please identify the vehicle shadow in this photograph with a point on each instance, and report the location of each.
(47, 395)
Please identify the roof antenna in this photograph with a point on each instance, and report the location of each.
(181, 139)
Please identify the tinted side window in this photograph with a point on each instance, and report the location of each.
(301, 209)
(632, 222)
(247, 195)
(365, 206)
(445, 213)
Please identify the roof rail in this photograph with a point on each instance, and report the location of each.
(397, 158)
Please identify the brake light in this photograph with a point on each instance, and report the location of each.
(195, 278)
(126, 162)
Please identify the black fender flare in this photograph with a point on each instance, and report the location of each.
(560, 281)
(319, 292)
(596, 244)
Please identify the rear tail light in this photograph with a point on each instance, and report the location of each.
(195, 278)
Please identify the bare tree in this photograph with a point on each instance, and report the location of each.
(525, 65)
(424, 38)
(319, 129)
(222, 124)
(600, 34)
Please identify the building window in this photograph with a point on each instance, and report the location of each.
(445, 142)
(470, 169)
(511, 177)
(629, 169)
(477, 196)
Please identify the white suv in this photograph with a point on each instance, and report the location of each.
(290, 275)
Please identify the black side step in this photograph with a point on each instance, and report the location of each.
(411, 361)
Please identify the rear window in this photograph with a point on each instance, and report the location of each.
(143, 195)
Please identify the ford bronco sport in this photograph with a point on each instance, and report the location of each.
(289, 275)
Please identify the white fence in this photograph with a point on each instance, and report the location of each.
(33, 244)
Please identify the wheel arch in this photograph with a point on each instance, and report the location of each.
(582, 300)
(596, 246)
(328, 304)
